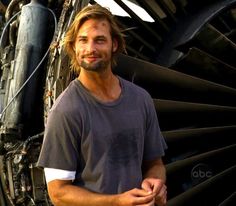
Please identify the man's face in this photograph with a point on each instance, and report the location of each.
(94, 45)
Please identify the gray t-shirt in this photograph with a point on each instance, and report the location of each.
(105, 143)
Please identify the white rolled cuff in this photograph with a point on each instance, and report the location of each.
(58, 174)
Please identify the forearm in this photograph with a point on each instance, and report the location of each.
(68, 194)
(158, 172)
(154, 180)
(154, 169)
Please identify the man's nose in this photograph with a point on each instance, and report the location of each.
(91, 47)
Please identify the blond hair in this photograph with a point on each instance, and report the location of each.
(92, 12)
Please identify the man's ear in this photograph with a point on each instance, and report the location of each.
(114, 45)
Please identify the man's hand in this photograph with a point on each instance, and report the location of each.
(157, 187)
(137, 197)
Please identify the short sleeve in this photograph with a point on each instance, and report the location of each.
(154, 145)
(61, 142)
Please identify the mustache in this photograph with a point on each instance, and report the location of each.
(92, 54)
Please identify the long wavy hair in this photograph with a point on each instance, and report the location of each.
(92, 12)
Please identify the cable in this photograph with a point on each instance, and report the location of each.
(34, 71)
(5, 27)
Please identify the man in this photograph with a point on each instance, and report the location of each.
(102, 143)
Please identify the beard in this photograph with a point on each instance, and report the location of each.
(99, 66)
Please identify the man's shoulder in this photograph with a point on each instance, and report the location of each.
(66, 99)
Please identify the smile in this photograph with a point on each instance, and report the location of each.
(91, 58)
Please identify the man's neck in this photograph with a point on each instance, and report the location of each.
(104, 85)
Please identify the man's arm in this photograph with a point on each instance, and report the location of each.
(154, 178)
(155, 169)
(63, 193)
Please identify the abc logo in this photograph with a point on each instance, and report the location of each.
(200, 172)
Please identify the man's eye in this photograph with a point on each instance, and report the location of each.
(100, 41)
(82, 40)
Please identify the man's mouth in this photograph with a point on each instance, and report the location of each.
(91, 58)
